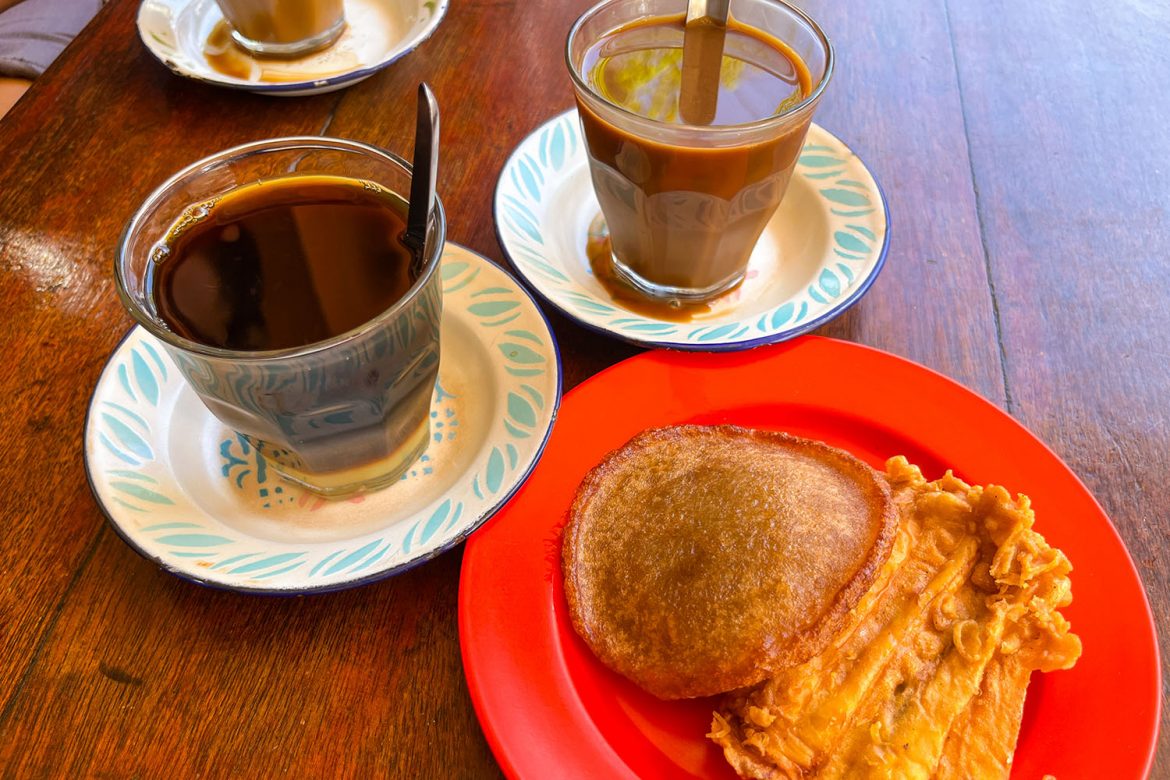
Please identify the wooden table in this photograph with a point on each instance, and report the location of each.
(1024, 151)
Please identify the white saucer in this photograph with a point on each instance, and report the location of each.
(188, 493)
(377, 33)
(816, 258)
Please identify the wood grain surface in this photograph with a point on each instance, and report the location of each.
(1022, 147)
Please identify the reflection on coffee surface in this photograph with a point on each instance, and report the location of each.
(639, 67)
(685, 218)
(283, 263)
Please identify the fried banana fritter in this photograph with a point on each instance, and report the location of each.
(928, 677)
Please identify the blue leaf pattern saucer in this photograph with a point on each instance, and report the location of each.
(185, 491)
(817, 257)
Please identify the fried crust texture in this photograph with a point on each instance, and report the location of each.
(703, 559)
(929, 676)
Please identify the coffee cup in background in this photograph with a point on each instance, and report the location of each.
(284, 28)
(274, 276)
(685, 203)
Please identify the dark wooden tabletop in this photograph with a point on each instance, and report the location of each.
(1024, 150)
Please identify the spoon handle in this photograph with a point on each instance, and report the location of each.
(703, 38)
(715, 10)
(425, 170)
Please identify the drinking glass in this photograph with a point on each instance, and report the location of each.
(338, 416)
(284, 28)
(685, 204)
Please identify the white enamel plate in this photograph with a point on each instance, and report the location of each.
(187, 492)
(817, 256)
(377, 33)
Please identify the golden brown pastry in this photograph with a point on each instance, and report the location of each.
(698, 560)
(928, 677)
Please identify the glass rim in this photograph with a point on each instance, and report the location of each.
(285, 143)
(713, 130)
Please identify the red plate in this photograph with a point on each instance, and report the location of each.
(549, 709)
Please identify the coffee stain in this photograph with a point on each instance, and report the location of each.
(225, 56)
(599, 250)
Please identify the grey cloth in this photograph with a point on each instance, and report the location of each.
(34, 32)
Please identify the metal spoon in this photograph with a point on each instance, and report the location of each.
(426, 169)
(706, 28)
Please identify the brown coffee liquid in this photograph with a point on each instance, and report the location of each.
(281, 21)
(283, 263)
(688, 217)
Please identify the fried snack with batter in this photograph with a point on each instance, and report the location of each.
(698, 560)
(982, 740)
(928, 677)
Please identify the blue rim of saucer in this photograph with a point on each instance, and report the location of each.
(649, 342)
(487, 514)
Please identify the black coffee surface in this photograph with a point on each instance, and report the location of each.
(283, 263)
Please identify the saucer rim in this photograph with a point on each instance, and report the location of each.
(717, 345)
(489, 511)
(290, 88)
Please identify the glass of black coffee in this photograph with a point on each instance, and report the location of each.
(275, 277)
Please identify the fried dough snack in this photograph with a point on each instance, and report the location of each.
(928, 678)
(701, 559)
